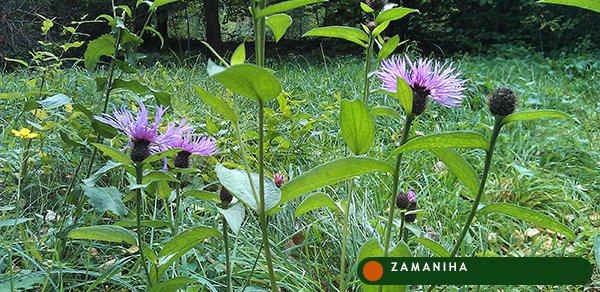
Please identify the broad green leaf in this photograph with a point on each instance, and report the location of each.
(366, 8)
(247, 80)
(125, 67)
(104, 130)
(216, 104)
(68, 46)
(404, 94)
(386, 111)
(331, 173)
(55, 101)
(17, 61)
(433, 246)
(394, 14)
(234, 215)
(202, 195)
(593, 5)
(105, 199)
(534, 115)
(102, 46)
(133, 85)
(159, 3)
(173, 284)
(182, 243)
(82, 109)
(279, 23)
(597, 250)
(352, 34)
(13, 222)
(356, 126)
(529, 216)
(236, 182)
(372, 248)
(25, 280)
(113, 153)
(108, 233)
(149, 223)
(284, 6)
(239, 56)
(157, 175)
(445, 140)
(460, 167)
(161, 155)
(316, 201)
(380, 28)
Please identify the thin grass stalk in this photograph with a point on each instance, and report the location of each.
(345, 235)
(368, 68)
(225, 205)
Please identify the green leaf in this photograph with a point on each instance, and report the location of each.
(159, 3)
(529, 216)
(133, 85)
(161, 155)
(380, 28)
(113, 153)
(173, 284)
(216, 104)
(234, 215)
(331, 173)
(460, 167)
(279, 23)
(284, 6)
(17, 61)
(125, 67)
(156, 33)
(239, 56)
(82, 109)
(372, 248)
(104, 130)
(445, 140)
(105, 199)
(316, 201)
(55, 101)
(247, 80)
(356, 126)
(593, 5)
(157, 175)
(237, 183)
(102, 46)
(182, 243)
(149, 223)
(386, 111)
(597, 250)
(352, 34)
(404, 94)
(434, 247)
(13, 222)
(394, 14)
(534, 115)
(108, 233)
(366, 8)
(202, 195)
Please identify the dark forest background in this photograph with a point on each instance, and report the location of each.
(443, 26)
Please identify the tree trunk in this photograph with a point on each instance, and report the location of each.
(212, 23)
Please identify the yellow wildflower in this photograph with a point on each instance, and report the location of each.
(24, 133)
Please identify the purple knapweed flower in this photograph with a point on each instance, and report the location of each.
(191, 143)
(144, 137)
(279, 179)
(427, 78)
(411, 196)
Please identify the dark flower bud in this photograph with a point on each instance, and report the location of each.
(279, 179)
(182, 159)
(502, 102)
(376, 4)
(420, 95)
(140, 150)
(407, 201)
(225, 196)
(371, 25)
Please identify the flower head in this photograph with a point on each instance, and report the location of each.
(279, 179)
(502, 102)
(191, 143)
(427, 78)
(407, 201)
(24, 133)
(144, 135)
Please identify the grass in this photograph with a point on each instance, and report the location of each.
(548, 165)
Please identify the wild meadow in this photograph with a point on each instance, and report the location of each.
(249, 171)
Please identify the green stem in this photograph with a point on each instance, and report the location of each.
(261, 190)
(368, 68)
(178, 209)
(345, 236)
(486, 169)
(390, 222)
(139, 176)
(402, 220)
(227, 256)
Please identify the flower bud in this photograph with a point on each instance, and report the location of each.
(502, 102)
(182, 159)
(407, 201)
(279, 179)
(140, 150)
(225, 196)
(420, 95)
(371, 25)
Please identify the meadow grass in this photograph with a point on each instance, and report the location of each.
(551, 166)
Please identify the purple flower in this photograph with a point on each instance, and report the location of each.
(144, 137)
(427, 78)
(411, 196)
(191, 143)
(279, 179)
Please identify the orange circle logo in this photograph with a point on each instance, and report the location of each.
(372, 271)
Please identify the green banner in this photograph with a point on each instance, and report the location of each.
(474, 271)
